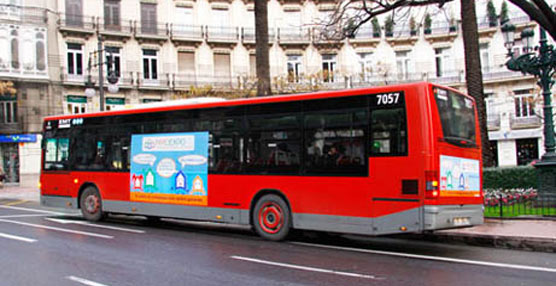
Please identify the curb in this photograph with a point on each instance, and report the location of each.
(496, 241)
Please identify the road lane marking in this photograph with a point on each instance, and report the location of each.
(16, 203)
(67, 221)
(84, 281)
(23, 215)
(437, 258)
(15, 237)
(58, 229)
(307, 268)
(31, 210)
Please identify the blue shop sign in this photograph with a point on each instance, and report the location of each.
(18, 138)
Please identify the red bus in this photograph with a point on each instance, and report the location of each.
(373, 161)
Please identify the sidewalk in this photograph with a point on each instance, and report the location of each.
(526, 234)
(20, 193)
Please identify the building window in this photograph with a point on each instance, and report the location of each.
(441, 57)
(150, 65)
(485, 57)
(15, 49)
(524, 104)
(253, 65)
(222, 70)
(294, 68)
(221, 17)
(74, 13)
(8, 111)
(76, 104)
(40, 52)
(75, 59)
(148, 18)
(366, 65)
(402, 64)
(527, 150)
(184, 17)
(493, 145)
(113, 60)
(328, 67)
(186, 63)
(112, 15)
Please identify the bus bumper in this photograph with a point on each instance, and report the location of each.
(59, 202)
(453, 216)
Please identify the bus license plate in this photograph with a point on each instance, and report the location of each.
(460, 221)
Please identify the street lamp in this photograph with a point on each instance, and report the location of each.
(540, 62)
(112, 77)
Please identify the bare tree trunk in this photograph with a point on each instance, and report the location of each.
(473, 74)
(261, 38)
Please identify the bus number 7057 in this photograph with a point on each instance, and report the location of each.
(387, 98)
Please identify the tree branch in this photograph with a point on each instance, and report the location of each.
(535, 13)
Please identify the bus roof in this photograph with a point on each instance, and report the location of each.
(192, 104)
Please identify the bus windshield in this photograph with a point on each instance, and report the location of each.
(457, 114)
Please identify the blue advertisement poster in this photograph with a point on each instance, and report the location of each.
(459, 177)
(169, 168)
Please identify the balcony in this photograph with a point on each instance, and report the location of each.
(294, 36)
(365, 37)
(76, 25)
(526, 122)
(23, 70)
(493, 122)
(122, 30)
(162, 82)
(491, 75)
(441, 32)
(125, 80)
(326, 38)
(19, 14)
(222, 35)
(156, 32)
(402, 36)
(447, 77)
(186, 34)
(248, 36)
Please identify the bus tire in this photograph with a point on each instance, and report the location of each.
(271, 218)
(91, 204)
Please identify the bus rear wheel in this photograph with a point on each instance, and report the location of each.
(91, 204)
(271, 218)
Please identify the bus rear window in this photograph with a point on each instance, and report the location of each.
(57, 154)
(457, 114)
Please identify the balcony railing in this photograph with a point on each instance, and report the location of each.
(124, 27)
(222, 34)
(248, 35)
(294, 35)
(518, 122)
(161, 82)
(493, 121)
(28, 15)
(178, 31)
(23, 69)
(76, 22)
(151, 30)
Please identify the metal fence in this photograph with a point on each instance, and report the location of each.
(519, 203)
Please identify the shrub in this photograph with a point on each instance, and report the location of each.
(491, 14)
(510, 177)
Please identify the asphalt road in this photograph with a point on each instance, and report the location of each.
(44, 247)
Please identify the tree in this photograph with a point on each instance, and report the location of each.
(261, 49)
(7, 87)
(491, 14)
(504, 18)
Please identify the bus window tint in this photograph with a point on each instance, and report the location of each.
(57, 154)
(226, 146)
(335, 142)
(388, 132)
(457, 115)
(273, 144)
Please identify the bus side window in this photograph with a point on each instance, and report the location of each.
(57, 154)
(388, 132)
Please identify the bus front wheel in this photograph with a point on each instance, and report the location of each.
(272, 218)
(91, 204)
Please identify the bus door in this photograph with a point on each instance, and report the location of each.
(394, 173)
(56, 164)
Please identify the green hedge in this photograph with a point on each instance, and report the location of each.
(510, 177)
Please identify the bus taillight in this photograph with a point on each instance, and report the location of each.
(431, 179)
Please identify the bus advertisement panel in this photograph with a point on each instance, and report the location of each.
(169, 168)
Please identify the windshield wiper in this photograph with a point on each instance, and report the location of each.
(460, 141)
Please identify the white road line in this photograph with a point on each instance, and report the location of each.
(67, 221)
(84, 281)
(24, 215)
(306, 268)
(31, 210)
(15, 237)
(436, 258)
(58, 229)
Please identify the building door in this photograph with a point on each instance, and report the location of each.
(10, 162)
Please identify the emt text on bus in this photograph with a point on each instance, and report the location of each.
(372, 161)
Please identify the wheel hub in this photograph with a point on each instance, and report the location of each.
(271, 217)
